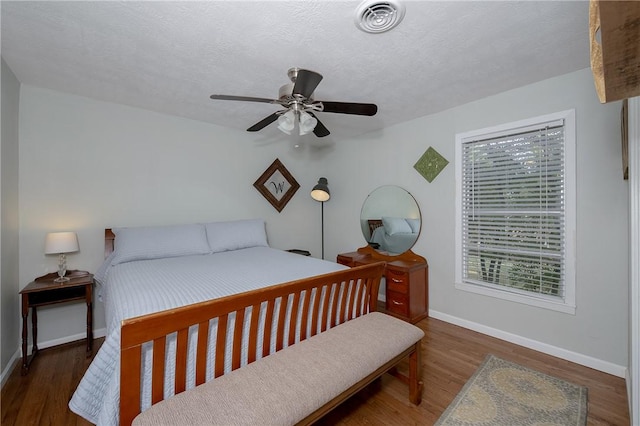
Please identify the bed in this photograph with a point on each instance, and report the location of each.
(161, 268)
(393, 235)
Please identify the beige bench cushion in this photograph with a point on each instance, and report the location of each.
(287, 386)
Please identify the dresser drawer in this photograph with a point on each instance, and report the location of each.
(397, 281)
(398, 303)
(406, 279)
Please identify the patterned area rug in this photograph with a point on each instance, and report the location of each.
(504, 393)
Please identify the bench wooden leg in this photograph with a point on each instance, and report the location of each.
(415, 375)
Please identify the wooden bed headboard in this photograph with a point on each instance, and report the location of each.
(109, 237)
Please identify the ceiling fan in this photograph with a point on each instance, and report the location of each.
(300, 107)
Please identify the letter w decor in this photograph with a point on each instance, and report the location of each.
(277, 185)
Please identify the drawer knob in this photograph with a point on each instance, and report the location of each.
(396, 280)
(395, 302)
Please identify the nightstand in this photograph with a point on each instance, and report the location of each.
(44, 291)
(300, 251)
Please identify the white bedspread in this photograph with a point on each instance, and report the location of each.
(140, 287)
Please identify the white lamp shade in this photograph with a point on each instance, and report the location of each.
(61, 242)
(307, 123)
(286, 122)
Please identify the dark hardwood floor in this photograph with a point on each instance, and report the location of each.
(41, 397)
(451, 355)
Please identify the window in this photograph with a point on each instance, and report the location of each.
(515, 208)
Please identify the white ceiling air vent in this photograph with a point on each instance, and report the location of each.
(378, 16)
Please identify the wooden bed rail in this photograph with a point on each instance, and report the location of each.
(308, 306)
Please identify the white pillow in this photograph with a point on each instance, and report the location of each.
(414, 224)
(237, 234)
(159, 241)
(395, 225)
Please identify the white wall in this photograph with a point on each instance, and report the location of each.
(597, 334)
(87, 165)
(9, 312)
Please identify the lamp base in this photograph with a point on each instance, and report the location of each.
(62, 269)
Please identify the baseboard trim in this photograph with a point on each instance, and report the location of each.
(587, 361)
(101, 332)
(17, 356)
(9, 368)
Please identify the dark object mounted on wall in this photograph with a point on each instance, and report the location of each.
(277, 185)
(624, 127)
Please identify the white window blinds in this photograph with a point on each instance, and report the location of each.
(512, 207)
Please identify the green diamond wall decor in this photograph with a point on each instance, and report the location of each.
(430, 164)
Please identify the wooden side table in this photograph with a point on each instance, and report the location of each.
(44, 291)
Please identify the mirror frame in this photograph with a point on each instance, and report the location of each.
(407, 255)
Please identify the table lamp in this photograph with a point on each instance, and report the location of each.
(61, 243)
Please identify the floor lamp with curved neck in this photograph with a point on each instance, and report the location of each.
(321, 193)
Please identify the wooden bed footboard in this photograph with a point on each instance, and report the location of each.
(290, 312)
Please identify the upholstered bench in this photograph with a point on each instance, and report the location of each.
(302, 382)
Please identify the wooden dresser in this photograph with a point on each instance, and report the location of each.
(407, 281)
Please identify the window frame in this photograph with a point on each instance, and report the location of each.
(567, 303)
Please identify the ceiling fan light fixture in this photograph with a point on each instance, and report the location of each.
(307, 123)
(286, 122)
(378, 16)
(299, 105)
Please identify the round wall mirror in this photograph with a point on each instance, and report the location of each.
(390, 220)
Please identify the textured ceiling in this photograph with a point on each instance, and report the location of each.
(170, 56)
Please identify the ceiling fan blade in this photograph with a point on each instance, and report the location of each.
(350, 108)
(242, 98)
(263, 123)
(320, 130)
(306, 83)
